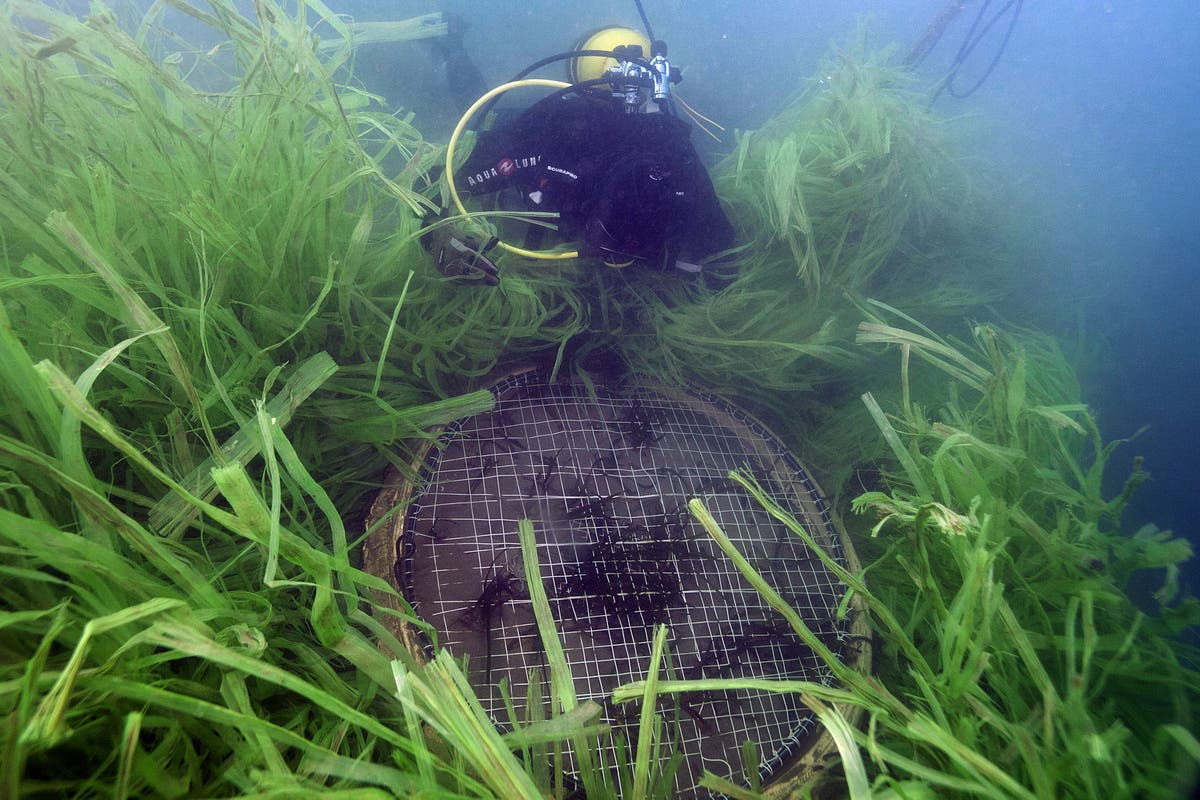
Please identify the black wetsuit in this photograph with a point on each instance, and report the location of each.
(625, 185)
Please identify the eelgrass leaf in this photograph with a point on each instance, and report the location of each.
(854, 582)
(580, 721)
(267, 448)
(911, 472)
(560, 671)
(387, 340)
(30, 408)
(295, 468)
(1186, 739)
(937, 353)
(197, 708)
(843, 673)
(992, 779)
(170, 511)
(843, 737)
(647, 727)
(126, 754)
(237, 697)
(187, 639)
(101, 510)
(70, 444)
(561, 677)
(47, 726)
(727, 788)
(140, 316)
(635, 689)
(440, 693)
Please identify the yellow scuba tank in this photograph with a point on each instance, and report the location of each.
(586, 68)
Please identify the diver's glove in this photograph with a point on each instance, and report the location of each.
(461, 256)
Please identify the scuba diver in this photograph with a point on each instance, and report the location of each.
(606, 152)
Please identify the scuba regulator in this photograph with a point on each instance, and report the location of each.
(625, 67)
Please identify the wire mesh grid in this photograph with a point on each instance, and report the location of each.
(606, 477)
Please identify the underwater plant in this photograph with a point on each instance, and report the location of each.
(217, 330)
(853, 191)
(1010, 659)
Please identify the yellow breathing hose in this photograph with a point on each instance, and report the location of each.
(450, 148)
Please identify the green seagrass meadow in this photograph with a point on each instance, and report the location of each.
(218, 331)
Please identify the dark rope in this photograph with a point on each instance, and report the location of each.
(645, 21)
(933, 34)
(974, 36)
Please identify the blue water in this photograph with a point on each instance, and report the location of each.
(1099, 111)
